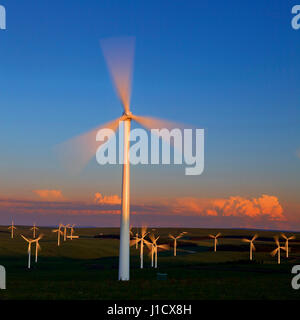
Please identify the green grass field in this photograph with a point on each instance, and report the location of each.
(87, 268)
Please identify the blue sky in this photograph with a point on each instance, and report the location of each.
(231, 67)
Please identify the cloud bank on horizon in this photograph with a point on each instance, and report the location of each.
(49, 195)
(235, 211)
(112, 200)
(265, 206)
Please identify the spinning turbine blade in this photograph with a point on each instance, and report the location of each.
(132, 242)
(163, 247)
(152, 238)
(274, 252)
(148, 244)
(77, 152)
(144, 232)
(284, 236)
(25, 238)
(119, 55)
(155, 123)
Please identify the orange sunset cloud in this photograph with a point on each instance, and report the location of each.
(260, 211)
(265, 206)
(50, 195)
(110, 200)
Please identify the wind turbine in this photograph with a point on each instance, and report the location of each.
(30, 241)
(215, 240)
(136, 243)
(175, 241)
(287, 243)
(119, 56)
(12, 227)
(65, 230)
(59, 233)
(72, 231)
(73, 237)
(252, 247)
(153, 246)
(277, 250)
(142, 241)
(37, 247)
(34, 228)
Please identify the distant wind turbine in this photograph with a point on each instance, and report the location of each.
(34, 229)
(59, 233)
(151, 247)
(119, 55)
(71, 232)
(65, 231)
(37, 247)
(154, 247)
(215, 240)
(130, 231)
(175, 241)
(277, 250)
(287, 243)
(136, 243)
(252, 247)
(142, 241)
(73, 237)
(12, 228)
(30, 241)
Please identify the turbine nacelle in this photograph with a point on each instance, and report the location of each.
(126, 116)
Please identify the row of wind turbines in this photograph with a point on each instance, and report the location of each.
(152, 245)
(141, 240)
(35, 240)
(252, 246)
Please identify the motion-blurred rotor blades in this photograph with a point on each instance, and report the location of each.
(78, 151)
(119, 56)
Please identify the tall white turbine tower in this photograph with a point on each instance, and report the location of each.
(119, 55)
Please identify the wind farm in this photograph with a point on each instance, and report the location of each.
(93, 261)
(149, 151)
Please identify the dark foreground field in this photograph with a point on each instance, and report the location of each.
(87, 268)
